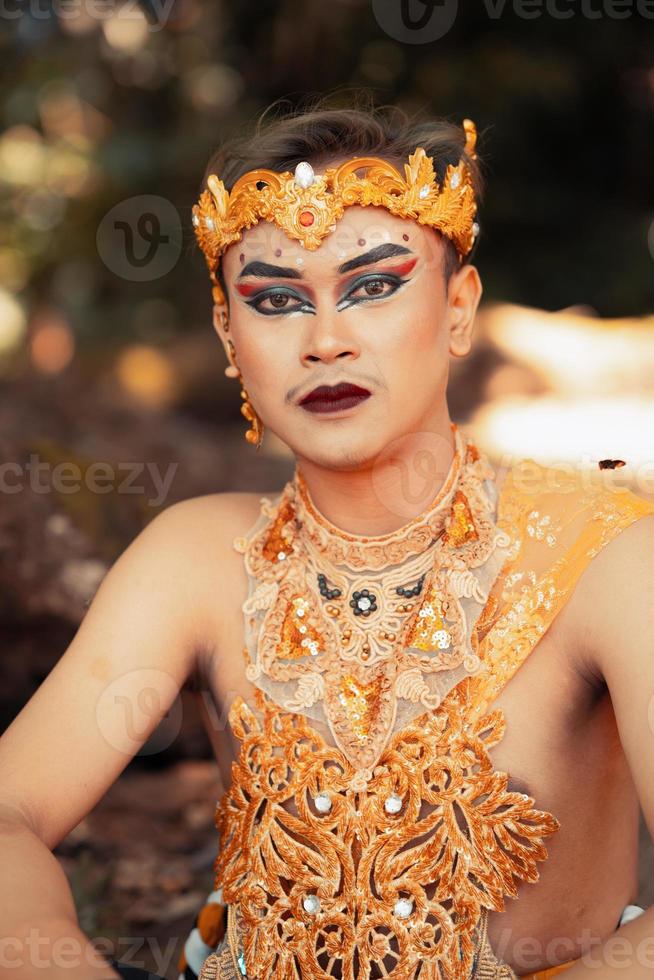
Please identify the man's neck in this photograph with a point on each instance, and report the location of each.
(387, 494)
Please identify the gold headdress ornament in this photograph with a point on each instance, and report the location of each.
(306, 205)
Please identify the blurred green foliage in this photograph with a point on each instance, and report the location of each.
(120, 101)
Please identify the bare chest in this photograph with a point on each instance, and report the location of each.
(560, 747)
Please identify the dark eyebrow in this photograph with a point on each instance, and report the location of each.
(374, 255)
(263, 270)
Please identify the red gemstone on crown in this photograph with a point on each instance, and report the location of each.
(306, 218)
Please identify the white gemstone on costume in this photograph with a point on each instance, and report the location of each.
(323, 802)
(393, 803)
(442, 639)
(302, 629)
(475, 228)
(455, 179)
(281, 555)
(304, 175)
(424, 191)
(195, 220)
(403, 908)
(311, 904)
(364, 602)
(209, 223)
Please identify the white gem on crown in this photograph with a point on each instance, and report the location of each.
(304, 175)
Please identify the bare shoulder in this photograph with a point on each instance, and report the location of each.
(144, 635)
(612, 603)
(620, 643)
(212, 517)
(188, 535)
(202, 530)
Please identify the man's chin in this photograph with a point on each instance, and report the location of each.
(337, 453)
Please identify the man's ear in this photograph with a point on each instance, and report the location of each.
(464, 294)
(221, 326)
(221, 322)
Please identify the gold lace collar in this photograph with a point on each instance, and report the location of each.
(363, 634)
(377, 551)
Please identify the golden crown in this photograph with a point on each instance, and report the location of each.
(306, 205)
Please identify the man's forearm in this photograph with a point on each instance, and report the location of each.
(627, 953)
(39, 931)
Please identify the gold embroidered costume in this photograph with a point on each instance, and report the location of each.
(366, 832)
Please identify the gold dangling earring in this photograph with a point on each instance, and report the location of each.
(254, 434)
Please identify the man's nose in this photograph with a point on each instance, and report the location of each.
(327, 338)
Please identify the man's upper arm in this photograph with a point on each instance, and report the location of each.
(620, 628)
(122, 672)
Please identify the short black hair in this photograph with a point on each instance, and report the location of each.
(322, 133)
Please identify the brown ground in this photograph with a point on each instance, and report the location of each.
(140, 864)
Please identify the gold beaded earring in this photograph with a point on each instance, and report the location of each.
(254, 434)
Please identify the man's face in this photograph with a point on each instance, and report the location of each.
(370, 307)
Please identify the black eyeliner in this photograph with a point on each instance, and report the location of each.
(254, 302)
(304, 306)
(388, 277)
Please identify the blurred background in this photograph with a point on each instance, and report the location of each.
(109, 113)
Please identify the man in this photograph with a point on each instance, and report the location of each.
(390, 786)
(343, 343)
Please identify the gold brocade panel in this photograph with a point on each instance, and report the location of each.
(338, 870)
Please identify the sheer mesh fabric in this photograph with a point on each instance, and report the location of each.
(346, 861)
